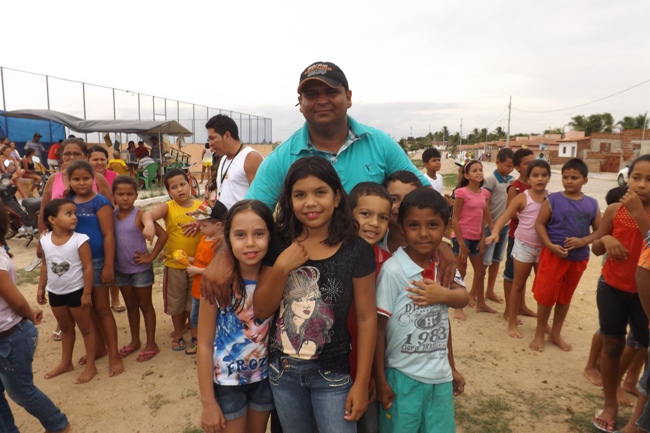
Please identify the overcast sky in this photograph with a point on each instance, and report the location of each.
(410, 64)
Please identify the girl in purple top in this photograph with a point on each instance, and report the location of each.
(470, 210)
(133, 269)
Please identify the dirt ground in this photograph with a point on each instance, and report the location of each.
(509, 387)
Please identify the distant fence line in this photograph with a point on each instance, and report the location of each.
(20, 90)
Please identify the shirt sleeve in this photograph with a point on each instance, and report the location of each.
(81, 239)
(365, 260)
(490, 183)
(460, 193)
(396, 160)
(385, 296)
(268, 182)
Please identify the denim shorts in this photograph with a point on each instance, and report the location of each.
(194, 312)
(509, 271)
(522, 252)
(98, 265)
(494, 252)
(471, 245)
(70, 300)
(140, 279)
(234, 401)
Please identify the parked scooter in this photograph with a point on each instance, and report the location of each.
(23, 219)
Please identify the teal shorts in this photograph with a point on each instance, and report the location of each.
(418, 407)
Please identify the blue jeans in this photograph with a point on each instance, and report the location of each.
(303, 393)
(16, 376)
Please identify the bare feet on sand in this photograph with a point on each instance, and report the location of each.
(513, 331)
(494, 297)
(59, 369)
(630, 387)
(622, 399)
(505, 317)
(537, 344)
(593, 375)
(82, 360)
(485, 309)
(87, 375)
(460, 314)
(472, 301)
(559, 342)
(525, 311)
(115, 367)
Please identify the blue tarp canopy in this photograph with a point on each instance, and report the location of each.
(22, 130)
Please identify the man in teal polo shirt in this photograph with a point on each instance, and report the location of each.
(357, 152)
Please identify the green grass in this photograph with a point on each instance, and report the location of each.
(32, 277)
(491, 414)
(449, 179)
(155, 402)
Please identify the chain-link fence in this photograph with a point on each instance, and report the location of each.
(27, 90)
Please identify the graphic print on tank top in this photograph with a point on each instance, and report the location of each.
(306, 318)
(60, 268)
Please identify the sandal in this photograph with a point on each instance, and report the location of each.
(178, 345)
(146, 355)
(607, 426)
(191, 350)
(118, 308)
(56, 336)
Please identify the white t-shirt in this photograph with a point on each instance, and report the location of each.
(435, 183)
(8, 317)
(232, 182)
(64, 271)
(416, 337)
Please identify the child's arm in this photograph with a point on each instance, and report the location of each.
(636, 210)
(511, 211)
(366, 309)
(107, 226)
(87, 264)
(458, 381)
(543, 218)
(104, 188)
(194, 270)
(16, 301)
(211, 415)
(604, 242)
(487, 219)
(573, 242)
(385, 394)
(161, 235)
(429, 292)
(149, 217)
(268, 292)
(455, 224)
(42, 281)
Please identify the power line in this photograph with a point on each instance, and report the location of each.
(586, 103)
(497, 118)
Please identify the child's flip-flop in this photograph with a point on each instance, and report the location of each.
(178, 345)
(609, 426)
(147, 355)
(126, 351)
(191, 350)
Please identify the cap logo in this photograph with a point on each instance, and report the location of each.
(319, 69)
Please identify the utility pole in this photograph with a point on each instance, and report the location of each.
(508, 131)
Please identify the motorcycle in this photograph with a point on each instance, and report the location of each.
(23, 219)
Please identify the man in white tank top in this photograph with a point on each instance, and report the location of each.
(238, 164)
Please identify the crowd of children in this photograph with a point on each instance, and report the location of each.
(337, 320)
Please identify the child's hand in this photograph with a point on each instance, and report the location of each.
(149, 231)
(458, 382)
(450, 201)
(191, 229)
(193, 270)
(481, 247)
(372, 394)
(38, 315)
(86, 300)
(142, 257)
(385, 395)
(212, 419)
(573, 243)
(107, 275)
(162, 256)
(492, 239)
(559, 251)
(40, 297)
(632, 202)
(356, 403)
(615, 249)
(463, 252)
(427, 292)
(293, 256)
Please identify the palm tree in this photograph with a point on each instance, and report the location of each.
(594, 123)
(629, 122)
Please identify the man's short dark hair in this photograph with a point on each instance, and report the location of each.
(222, 124)
(403, 176)
(519, 155)
(505, 154)
(576, 164)
(431, 152)
(424, 198)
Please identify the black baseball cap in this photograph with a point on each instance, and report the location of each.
(327, 72)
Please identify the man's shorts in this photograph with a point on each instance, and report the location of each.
(556, 279)
(616, 308)
(473, 246)
(524, 253)
(509, 271)
(234, 401)
(139, 279)
(177, 291)
(70, 300)
(494, 252)
(418, 406)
